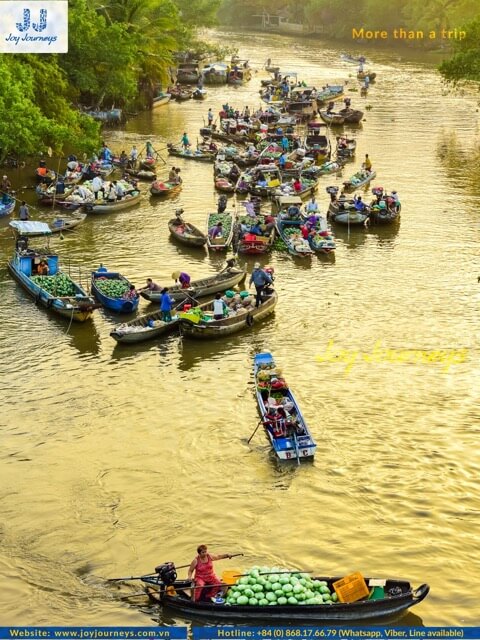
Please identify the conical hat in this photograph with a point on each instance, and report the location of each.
(176, 275)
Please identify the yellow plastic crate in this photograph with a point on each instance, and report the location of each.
(351, 588)
(274, 183)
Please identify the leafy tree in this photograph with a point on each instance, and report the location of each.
(465, 63)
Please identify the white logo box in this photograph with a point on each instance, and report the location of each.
(33, 26)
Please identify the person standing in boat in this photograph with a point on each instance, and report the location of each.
(166, 303)
(149, 150)
(260, 279)
(312, 206)
(133, 157)
(185, 141)
(202, 567)
(367, 164)
(112, 192)
(23, 212)
(5, 185)
(119, 190)
(210, 117)
(97, 186)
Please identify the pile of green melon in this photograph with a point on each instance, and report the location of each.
(264, 586)
(111, 287)
(57, 285)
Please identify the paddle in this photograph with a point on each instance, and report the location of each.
(255, 430)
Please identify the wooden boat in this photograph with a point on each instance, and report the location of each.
(332, 166)
(361, 75)
(160, 100)
(205, 327)
(100, 168)
(344, 212)
(398, 596)
(55, 291)
(160, 188)
(199, 94)
(112, 116)
(320, 238)
(44, 174)
(7, 206)
(346, 147)
(143, 328)
(252, 243)
(215, 73)
(129, 200)
(351, 116)
(185, 232)
(181, 95)
(289, 435)
(59, 225)
(289, 231)
(147, 164)
(384, 209)
(316, 141)
(239, 76)
(113, 301)
(221, 281)
(308, 188)
(359, 179)
(221, 243)
(329, 93)
(141, 174)
(188, 154)
(50, 194)
(224, 185)
(346, 57)
(331, 118)
(188, 72)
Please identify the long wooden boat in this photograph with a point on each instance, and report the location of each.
(56, 291)
(103, 284)
(143, 328)
(361, 75)
(359, 179)
(288, 432)
(7, 207)
(59, 225)
(206, 327)
(351, 116)
(141, 174)
(222, 281)
(160, 100)
(399, 595)
(221, 243)
(185, 232)
(129, 200)
(188, 154)
(344, 212)
(47, 194)
(346, 147)
(224, 184)
(333, 119)
(160, 188)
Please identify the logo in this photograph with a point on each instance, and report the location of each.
(35, 26)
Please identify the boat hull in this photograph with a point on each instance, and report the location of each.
(123, 333)
(200, 288)
(70, 308)
(118, 305)
(363, 610)
(218, 328)
(193, 238)
(6, 209)
(110, 207)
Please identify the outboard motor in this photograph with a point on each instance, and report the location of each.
(167, 573)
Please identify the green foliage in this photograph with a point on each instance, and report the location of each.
(465, 63)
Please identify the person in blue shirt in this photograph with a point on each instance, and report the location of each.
(359, 204)
(260, 279)
(166, 305)
(282, 160)
(285, 143)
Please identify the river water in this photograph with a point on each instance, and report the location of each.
(116, 458)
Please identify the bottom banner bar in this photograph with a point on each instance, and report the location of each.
(94, 633)
(353, 633)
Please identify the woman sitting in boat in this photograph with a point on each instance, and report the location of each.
(42, 268)
(359, 204)
(297, 185)
(131, 293)
(276, 423)
(293, 212)
(123, 159)
(216, 231)
(202, 566)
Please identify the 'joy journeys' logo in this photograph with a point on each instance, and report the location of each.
(24, 26)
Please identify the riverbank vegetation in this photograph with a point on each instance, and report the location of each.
(337, 18)
(120, 53)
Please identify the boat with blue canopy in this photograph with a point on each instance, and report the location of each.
(37, 270)
(282, 419)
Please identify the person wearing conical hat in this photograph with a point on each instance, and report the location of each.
(182, 277)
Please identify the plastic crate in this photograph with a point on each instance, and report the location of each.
(351, 588)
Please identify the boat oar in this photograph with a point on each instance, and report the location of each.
(296, 447)
(255, 430)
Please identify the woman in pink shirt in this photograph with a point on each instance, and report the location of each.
(202, 565)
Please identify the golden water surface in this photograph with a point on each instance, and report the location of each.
(117, 458)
